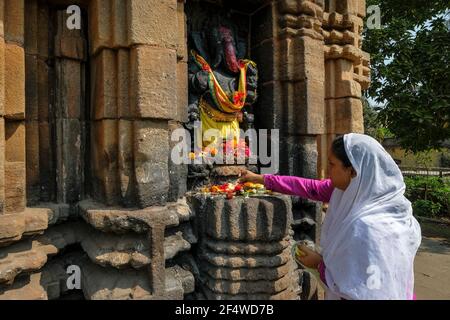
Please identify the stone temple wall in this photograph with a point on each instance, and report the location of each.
(85, 172)
(86, 115)
(312, 73)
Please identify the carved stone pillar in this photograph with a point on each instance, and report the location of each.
(244, 249)
(346, 73)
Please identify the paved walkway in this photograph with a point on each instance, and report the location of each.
(432, 269)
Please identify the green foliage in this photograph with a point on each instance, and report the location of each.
(372, 125)
(410, 63)
(445, 160)
(426, 208)
(424, 158)
(371, 122)
(430, 196)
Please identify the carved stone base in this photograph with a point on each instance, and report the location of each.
(244, 248)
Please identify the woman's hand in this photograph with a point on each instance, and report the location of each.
(248, 176)
(310, 259)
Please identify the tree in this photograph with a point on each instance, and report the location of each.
(410, 67)
(372, 125)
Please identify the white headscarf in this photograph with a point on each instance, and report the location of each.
(369, 237)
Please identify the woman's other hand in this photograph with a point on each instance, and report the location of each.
(310, 259)
(248, 176)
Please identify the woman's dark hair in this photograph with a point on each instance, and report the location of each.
(338, 149)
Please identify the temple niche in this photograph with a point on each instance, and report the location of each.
(86, 177)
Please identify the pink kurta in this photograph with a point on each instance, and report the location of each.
(317, 190)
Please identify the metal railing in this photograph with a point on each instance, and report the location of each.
(423, 171)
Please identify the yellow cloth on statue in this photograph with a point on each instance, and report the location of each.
(226, 129)
(229, 104)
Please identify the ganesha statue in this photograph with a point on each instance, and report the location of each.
(222, 83)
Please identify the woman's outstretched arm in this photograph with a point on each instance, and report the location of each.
(317, 190)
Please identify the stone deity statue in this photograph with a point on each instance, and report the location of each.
(222, 84)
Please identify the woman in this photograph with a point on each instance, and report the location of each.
(369, 236)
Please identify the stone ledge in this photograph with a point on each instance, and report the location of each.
(122, 220)
(301, 7)
(350, 52)
(118, 251)
(21, 262)
(59, 212)
(32, 221)
(16, 225)
(342, 21)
